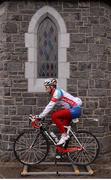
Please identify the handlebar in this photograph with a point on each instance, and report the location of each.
(35, 121)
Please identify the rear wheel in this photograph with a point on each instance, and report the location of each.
(31, 147)
(90, 149)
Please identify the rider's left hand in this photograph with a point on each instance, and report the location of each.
(37, 118)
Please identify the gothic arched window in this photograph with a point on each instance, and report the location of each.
(47, 41)
(47, 49)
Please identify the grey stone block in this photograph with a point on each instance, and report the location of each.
(5, 137)
(97, 129)
(72, 88)
(90, 39)
(82, 92)
(92, 104)
(104, 21)
(96, 48)
(79, 74)
(99, 30)
(82, 84)
(12, 7)
(70, 4)
(97, 74)
(90, 123)
(80, 47)
(102, 84)
(24, 110)
(84, 4)
(84, 66)
(41, 102)
(29, 101)
(77, 38)
(12, 110)
(106, 141)
(10, 27)
(8, 130)
(93, 20)
(95, 11)
(97, 92)
(14, 66)
(109, 66)
(8, 102)
(15, 17)
(76, 57)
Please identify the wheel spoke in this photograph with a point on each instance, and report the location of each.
(90, 148)
(30, 148)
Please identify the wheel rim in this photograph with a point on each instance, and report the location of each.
(31, 151)
(90, 149)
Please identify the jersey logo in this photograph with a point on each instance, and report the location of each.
(54, 99)
(69, 101)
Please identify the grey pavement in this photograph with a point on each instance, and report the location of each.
(102, 169)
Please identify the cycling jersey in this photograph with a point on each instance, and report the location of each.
(63, 98)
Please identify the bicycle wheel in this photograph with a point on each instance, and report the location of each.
(90, 149)
(31, 147)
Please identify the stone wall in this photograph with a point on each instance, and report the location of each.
(2, 73)
(89, 25)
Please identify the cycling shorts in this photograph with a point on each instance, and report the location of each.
(75, 112)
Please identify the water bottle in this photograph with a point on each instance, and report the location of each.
(54, 137)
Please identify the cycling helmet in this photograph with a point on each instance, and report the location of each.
(47, 82)
(54, 82)
(50, 82)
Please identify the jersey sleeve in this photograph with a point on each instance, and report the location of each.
(55, 98)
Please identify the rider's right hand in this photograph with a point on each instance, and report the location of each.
(36, 121)
(34, 118)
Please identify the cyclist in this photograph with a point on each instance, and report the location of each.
(71, 108)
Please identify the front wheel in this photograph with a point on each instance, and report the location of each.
(89, 151)
(31, 147)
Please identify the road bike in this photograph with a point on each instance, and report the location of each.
(33, 145)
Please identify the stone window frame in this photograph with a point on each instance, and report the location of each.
(36, 84)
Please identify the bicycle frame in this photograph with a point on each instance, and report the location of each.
(49, 136)
(69, 130)
(62, 149)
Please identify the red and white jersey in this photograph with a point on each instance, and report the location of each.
(63, 98)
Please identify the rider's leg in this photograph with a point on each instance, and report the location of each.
(62, 118)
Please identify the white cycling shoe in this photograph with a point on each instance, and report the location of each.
(63, 139)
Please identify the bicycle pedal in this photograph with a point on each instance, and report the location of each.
(58, 156)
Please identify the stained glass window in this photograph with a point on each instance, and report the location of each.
(47, 52)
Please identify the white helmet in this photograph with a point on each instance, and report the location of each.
(50, 82)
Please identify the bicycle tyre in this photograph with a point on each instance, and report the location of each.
(28, 155)
(91, 148)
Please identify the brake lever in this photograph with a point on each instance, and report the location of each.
(29, 121)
